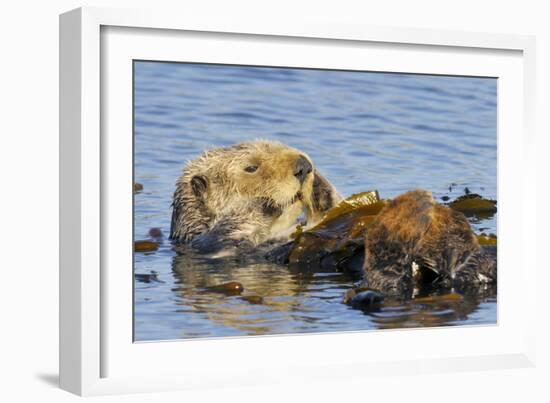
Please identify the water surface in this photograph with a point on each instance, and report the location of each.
(363, 130)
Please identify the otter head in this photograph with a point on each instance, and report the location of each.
(267, 180)
(265, 171)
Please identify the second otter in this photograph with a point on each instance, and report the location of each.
(246, 195)
(414, 240)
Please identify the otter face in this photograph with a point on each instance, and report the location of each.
(278, 174)
(262, 174)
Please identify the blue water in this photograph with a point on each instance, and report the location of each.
(363, 130)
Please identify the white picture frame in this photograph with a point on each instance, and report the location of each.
(96, 356)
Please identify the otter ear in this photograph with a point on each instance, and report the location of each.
(324, 195)
(199, 183)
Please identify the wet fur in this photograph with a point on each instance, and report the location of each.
(415, 229)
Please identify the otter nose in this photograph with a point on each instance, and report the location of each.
(302, 169)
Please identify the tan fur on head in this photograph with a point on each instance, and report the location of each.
(273, 179)
(247, 192)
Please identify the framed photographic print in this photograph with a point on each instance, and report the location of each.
(267, 192)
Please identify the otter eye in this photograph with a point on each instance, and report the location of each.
(251, 168)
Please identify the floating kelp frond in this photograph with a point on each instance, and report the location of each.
(145, 246)
(354, 201)
(487, 240)
(230, 288)
(472, 204)
(339, 237)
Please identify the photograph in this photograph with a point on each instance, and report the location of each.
(276, 200)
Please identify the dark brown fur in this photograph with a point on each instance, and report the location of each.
(323, 194)
(414, 239)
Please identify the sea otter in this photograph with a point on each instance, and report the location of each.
(246, 195)
(415, 241)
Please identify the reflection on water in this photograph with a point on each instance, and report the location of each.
(300, 301)
(392, 132)
(288, 297)
(439, 310)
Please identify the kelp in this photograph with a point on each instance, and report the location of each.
(230, 288)
(145, 246)
(149, 245)
(339, 237)
(473, 204)
(487, 240)
(357, 200)
(337, 242)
